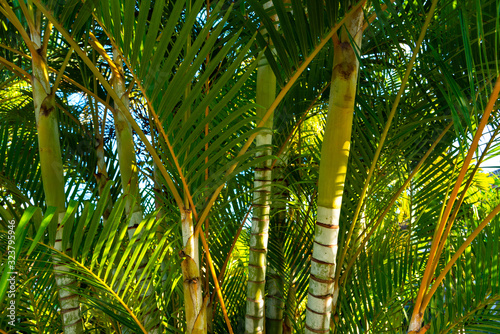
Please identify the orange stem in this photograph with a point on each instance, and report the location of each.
(433, 252)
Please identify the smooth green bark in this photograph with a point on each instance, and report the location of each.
(195, 307)
(53, 180)
(266, 93)
(332, 174)
(275, 284)
(129, 174)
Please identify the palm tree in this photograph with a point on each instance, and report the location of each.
(50, 154)
(332, 173)
(419, 102)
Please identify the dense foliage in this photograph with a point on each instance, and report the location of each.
(156, 111)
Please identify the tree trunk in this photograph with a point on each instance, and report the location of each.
(332, 173)
(195, 306)
(266, 93)
(126, 150)
(129, 174)
(53, 179)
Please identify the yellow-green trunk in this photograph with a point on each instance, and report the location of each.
(266, 93)
(53, 181)
(332, 174)
(195, 306)
(126, 150)
(275, 284)
(129, 174)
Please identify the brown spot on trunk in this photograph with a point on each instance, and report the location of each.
(119, 126)
(344, 69)
(345, 45)
(47, 106)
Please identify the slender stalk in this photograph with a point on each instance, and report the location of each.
(332, 173)
(53, 177)
(207, 112)
(129, 174)
(159, 205)
(266, 92)
(195, 307)
(255, 306)
(447, 268)
(458, 203)
(126, 150)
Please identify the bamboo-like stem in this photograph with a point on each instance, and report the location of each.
(291, 302)
(275, 297)
(274, 302)
(332, 173)
(384, 134)
(195, 307)
(419, 307)
(53, 178)
(126, 150)
(266, 92)
(129, 174)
